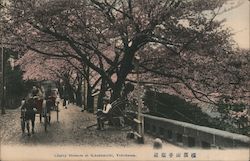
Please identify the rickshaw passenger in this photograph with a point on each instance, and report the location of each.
(36, 91)
(48, 93)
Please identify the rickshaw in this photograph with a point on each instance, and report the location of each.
(45, 106)
(28, 113)
(43, 109)
(54, 104)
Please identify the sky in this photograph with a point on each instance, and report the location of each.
(238, 20)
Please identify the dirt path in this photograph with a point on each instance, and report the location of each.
(70, 130)
(69, 139)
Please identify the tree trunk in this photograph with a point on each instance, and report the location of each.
(70, 92)
(90, 106)
(102, 94)
(116, 91)
(79, 96)
(79, 92)
(126, 67)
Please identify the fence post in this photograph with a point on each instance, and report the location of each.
(95, 101)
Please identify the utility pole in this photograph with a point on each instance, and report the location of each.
(140, 118)
(3, 88)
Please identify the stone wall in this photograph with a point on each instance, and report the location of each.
(190, 135)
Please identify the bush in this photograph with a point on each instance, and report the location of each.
(173, 107)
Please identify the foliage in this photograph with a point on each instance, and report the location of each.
(39, 67)
(15, 85)
(105, 35)
(234, 113)
(173, 107)
(136, 99)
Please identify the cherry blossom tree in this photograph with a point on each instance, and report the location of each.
(38, 68)
(197, 76)
(105, 35)
(68, 72)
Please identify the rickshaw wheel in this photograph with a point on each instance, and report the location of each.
(45, 122)
(23, 125)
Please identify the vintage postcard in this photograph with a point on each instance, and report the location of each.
(124, 80)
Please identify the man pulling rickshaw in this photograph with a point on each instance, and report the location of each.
(28, 113)
(36, 103)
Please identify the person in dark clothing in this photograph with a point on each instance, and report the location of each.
(48, 93)
(102, 113)
(65, 97)
(34, 91)
(128, 88)
(114, 109)
(30, 113)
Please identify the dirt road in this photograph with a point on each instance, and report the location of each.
(70, 130)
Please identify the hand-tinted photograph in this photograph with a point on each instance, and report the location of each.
(124, 80)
